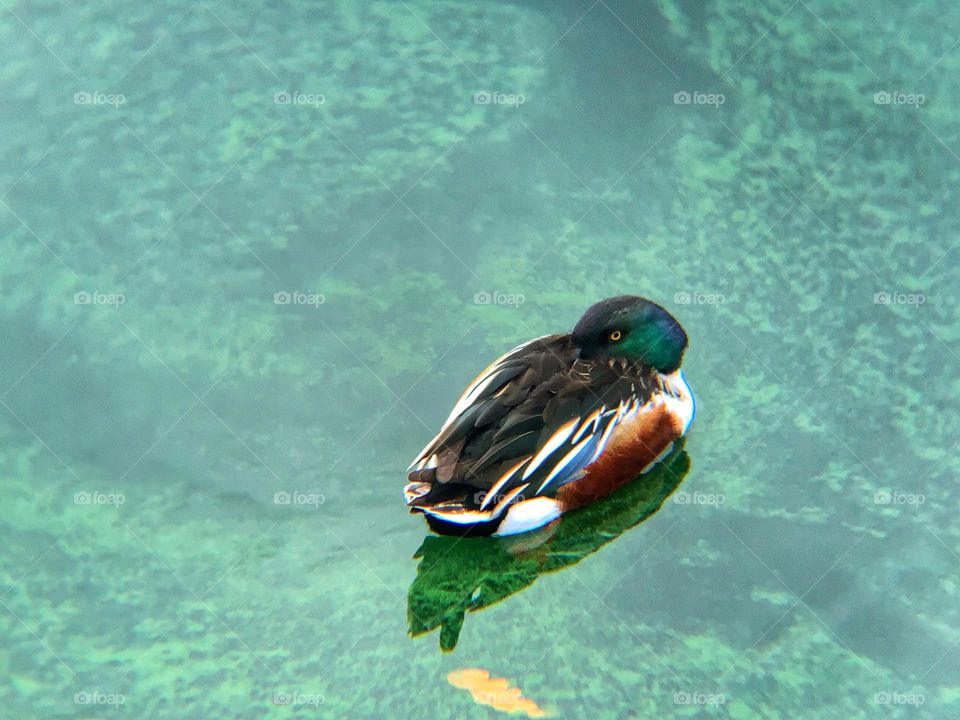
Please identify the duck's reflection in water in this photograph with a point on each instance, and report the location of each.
(457, 574)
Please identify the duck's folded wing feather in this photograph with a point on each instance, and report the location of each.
(485, 399)
(515, 427)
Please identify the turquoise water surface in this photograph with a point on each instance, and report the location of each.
(250, 253)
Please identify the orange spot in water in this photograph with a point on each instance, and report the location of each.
(495, 692)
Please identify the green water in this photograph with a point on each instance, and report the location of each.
(245, 250)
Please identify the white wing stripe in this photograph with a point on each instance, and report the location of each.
(468, 400)
(468, 517)
(608, 432)
(468, 396)
(492, 492)
(462, 404)
(500, 506)
(555, 441)
(460, 518)
(591, 419)
(567, 459)
(483, 377)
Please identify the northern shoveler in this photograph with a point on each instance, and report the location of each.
(557, 423)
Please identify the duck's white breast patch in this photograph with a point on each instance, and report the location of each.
(679, 399)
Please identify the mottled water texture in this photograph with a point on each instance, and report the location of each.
(251, 252)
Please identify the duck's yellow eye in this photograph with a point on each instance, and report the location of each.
(616, 335)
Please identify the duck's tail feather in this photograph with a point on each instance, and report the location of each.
(460, 510)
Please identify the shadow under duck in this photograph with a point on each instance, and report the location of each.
(456, 577)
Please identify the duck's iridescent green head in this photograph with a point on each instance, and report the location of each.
(634, 328)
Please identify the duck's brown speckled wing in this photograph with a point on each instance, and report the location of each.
(527, 424)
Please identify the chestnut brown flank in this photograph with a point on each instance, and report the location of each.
(632, 447)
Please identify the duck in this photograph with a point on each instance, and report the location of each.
(557, 423)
